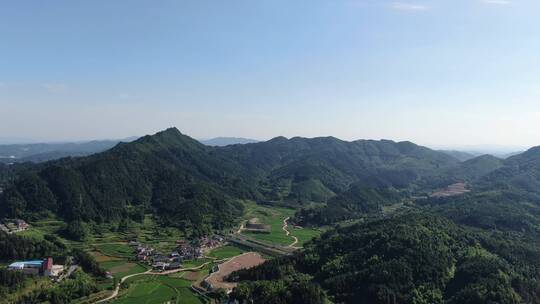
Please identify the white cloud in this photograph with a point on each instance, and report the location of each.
(55, 87)
(411, 7)
(497, 2)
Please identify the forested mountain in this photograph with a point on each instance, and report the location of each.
(479, 247)
(191, 185)
(198, 187)
(468, 171)
(357, 201)
(413, 258)
(315, 169)
(180, 179)
(519, 172)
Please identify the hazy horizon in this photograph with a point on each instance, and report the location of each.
(495, 149)
(437, 73)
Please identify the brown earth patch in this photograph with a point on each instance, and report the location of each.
(191, 276)
(244, 261)
(122, 268)
(452, 190)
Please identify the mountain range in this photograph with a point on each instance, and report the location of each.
(388, 237)
(168, 172)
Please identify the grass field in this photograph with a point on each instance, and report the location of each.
(274, 217)
(146, 291)
(150, 233)
(121, 268)
(158, 289)
(194, 263)
(116, 249)
(304, 234)
(225, 252)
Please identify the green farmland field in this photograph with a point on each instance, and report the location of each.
(225, 252)
(274, 217)
(116, 249)
(158, 289)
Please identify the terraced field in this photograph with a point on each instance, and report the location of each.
(158, 289)
(116, 249)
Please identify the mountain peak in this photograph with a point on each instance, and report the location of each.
(169, 131)
(278, 139)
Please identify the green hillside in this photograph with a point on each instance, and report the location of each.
(389, 241)
(412, 258)
(197, 187)
(168, 173)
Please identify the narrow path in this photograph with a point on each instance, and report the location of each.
(71, 269)
(148, 272)
(117, 289)
(240, 229)
(288, 233)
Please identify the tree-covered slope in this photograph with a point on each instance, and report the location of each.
(180, 179)
(414, 258)
(299, 169)
(189, 184)
(520, 172)
(468, 171)
(358, 201)
(170, 167)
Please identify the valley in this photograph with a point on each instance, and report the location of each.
(131, 280)
(167, 219)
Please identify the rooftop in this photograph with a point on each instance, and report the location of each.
(25, 263)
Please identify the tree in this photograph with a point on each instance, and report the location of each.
(77, 230)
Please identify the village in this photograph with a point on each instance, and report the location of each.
(192, 250)
(13, 225)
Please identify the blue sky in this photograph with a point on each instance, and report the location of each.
(457, 72)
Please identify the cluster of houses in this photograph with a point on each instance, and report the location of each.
(13, 225)
(160, 262)
(184, 251)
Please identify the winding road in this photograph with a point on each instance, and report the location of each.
(288, 233)
(148, 272)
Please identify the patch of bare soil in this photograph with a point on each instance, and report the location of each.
(244, 261)
(452, 190)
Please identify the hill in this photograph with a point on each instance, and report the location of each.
(170, 174)
(482, 246)
(360, 200)
(188, 184)
(413, 258)
(302, 169)
(470, 170)
(520, 172)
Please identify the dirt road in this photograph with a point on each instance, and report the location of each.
(288, 233)
(148, 272)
